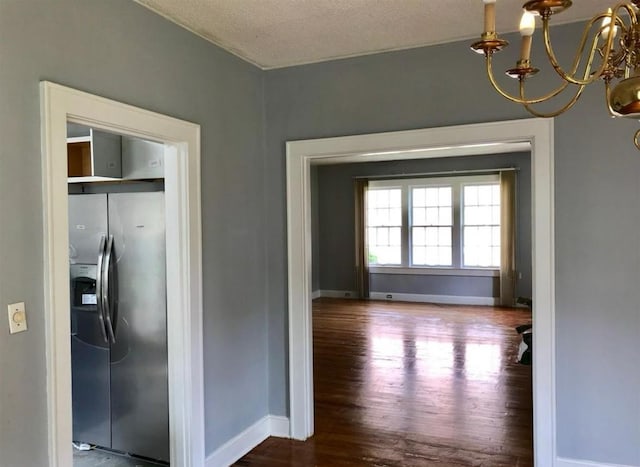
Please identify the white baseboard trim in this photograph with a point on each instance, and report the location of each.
(339, 293)
(564, 462)
(443, 299)
(316, 294)
(279, 426)
(235, 448)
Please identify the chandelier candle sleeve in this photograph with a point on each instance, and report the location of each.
(527, 27)
(489, 16)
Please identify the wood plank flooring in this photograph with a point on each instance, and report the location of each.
(405, 384)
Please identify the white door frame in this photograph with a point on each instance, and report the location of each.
(476, 139)
(184, 268)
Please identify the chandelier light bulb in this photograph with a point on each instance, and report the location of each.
(528, 24)
(606, 26)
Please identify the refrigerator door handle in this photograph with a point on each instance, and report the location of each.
(107, 302)
(99, 287)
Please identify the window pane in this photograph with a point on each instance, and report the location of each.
(484, 195)
(432, 216)
(495, 215)
(383, 216)
(484, 215)
(495, 255)
(418, 236)
(444, 236)
(383, 197)
(395, 198)
(383, 236)
(444, 196)
(371, 217)
(471, 216)
(431, 255)
(432, 236)
(470, 255)
(419, 216)
(481, 225)
(373, 256)
(445, 216)
(372, 198)
(470, 236)
(444, 256)
(391, 255)
(394, 236)
(431, 197)
(418, 197)
(470, 195)
(371, 239)
(484, 236)
(419, 255)
(395, 216)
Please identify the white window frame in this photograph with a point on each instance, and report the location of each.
(457, 182)
(410, 225)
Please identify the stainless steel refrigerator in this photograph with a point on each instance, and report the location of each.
(118, 322)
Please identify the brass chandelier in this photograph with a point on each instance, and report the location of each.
(609, 51)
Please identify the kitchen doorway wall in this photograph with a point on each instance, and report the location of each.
(60, 104)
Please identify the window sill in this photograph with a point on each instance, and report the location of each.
(434, 271)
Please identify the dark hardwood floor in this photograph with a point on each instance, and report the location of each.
(405, 384)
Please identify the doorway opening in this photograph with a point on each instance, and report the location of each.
(535, 136)
(117, 266)
(181, 145)
(431, 374)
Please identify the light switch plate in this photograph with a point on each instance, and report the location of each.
(17, 318)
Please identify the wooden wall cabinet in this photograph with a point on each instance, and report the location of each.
(97, 155)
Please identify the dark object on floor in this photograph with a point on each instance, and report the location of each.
(524, 301)
(525, 349)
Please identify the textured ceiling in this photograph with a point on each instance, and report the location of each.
(280, 33)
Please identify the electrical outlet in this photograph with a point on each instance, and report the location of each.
(389, 296)
(17, 318)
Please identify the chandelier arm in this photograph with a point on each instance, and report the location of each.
(566, 107)
(585, 34)
(515, 99)
(633, 17)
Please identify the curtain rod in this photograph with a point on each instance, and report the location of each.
(433, 174)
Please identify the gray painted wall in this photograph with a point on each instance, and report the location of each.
(597, 220)
(336, 227)
(120, 50)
